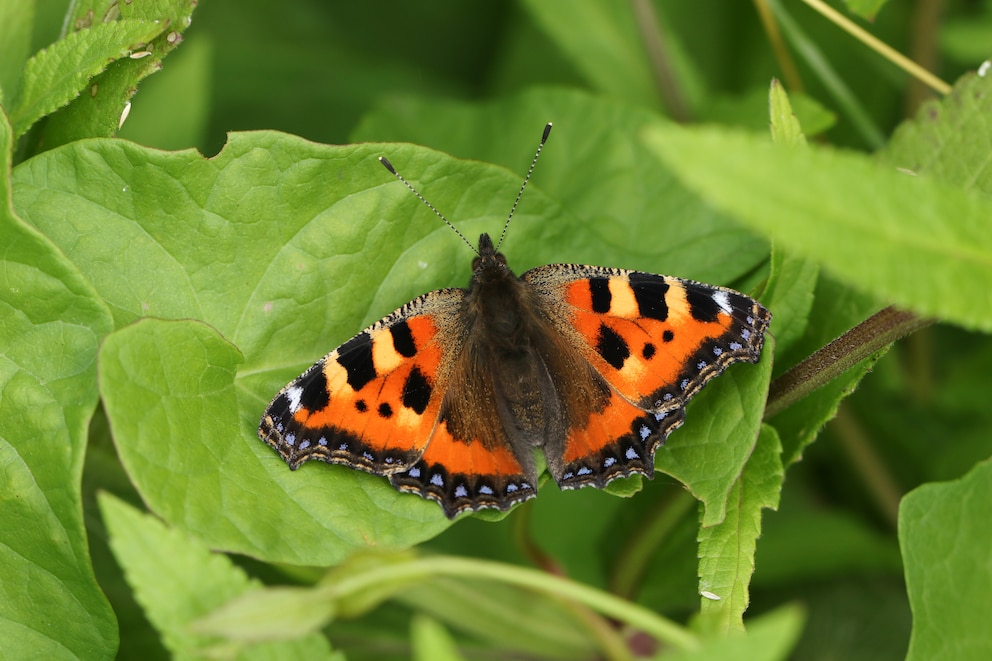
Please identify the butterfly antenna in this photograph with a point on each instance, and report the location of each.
(389, 166)
(533, 164)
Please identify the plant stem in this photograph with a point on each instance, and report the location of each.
(793, 81)
(883, 49)
(871, 335)
(653, 38)
(631, 614)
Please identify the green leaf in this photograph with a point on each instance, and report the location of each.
(104, 109)
(726, 551)
(917, 242)
(792, 279)
(770, 637)
(790, 293)
(431, 641)
(944, 140)
(945, 542)
(786, 129)
(750, 111)
(180, 376)
(50, 604)
(16, 22)
(710, 455)
(58, 74)
(177, 579)
(275, 613)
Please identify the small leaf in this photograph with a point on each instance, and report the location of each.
(58, 74)
(101, 112)
(726, 551)
(785, 126)
(866, 9)
(945, 542)
(709, 455)
(770, 637)
(270, 614)
(431, 641)
(177, 579)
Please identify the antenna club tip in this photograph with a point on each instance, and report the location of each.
(547, 132)
(386, 164)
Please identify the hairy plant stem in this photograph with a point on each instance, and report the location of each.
(871, 335)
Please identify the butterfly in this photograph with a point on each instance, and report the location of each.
(450, 395)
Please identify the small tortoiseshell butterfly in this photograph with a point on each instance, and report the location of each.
(449, 395)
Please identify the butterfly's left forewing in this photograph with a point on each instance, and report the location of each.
(373, 402)
(656, 340)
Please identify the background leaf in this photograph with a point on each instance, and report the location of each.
(52, 323)
(945, 547)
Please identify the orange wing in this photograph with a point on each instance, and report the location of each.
(373, 402)
(656, 340)
(466, 475)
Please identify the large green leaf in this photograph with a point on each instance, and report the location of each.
(922, 244)
(52, 323)
(945, 542)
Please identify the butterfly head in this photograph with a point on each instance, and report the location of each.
(489, 261)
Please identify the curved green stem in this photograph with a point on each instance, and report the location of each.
(629, 613)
